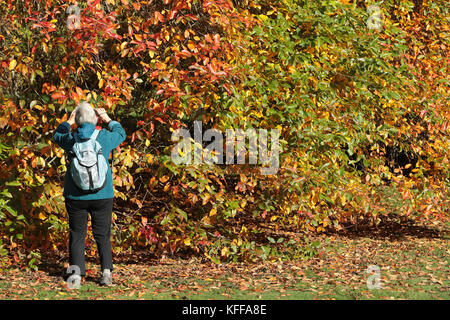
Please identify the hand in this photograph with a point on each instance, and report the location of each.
(71, 120)
(102, 114)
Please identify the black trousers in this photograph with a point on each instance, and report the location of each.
(100, 211)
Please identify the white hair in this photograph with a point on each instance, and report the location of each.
(85, 113)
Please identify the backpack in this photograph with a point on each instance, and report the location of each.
(88, 166)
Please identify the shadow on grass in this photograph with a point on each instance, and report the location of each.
(391, 229)
(55, 264)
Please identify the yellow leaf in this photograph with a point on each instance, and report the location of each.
(206, 198)
(213, 212)
(42, 216)
(12, 64)
(100, 83)
(206, 220)
(224, 251)
(40, 179)
(191, 45)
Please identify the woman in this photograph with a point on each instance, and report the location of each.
(98, 204)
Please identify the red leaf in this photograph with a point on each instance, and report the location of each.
(173, 14)
(57, 96)
(96, 2)
(159, 16)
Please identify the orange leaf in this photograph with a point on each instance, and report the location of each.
(57, 96)
(79, 92)
(136, 6)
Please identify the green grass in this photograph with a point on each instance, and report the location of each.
(410, 289)
(410, 269)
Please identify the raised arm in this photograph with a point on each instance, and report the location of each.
(116, 134)
(63, 137)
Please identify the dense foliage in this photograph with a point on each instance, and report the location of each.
(363, 115)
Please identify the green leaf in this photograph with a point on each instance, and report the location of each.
(182, 213)
(13, 184)
(272, 240)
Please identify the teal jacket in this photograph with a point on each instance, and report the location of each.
(108, 139)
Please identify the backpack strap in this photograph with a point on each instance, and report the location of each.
(95, 135)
